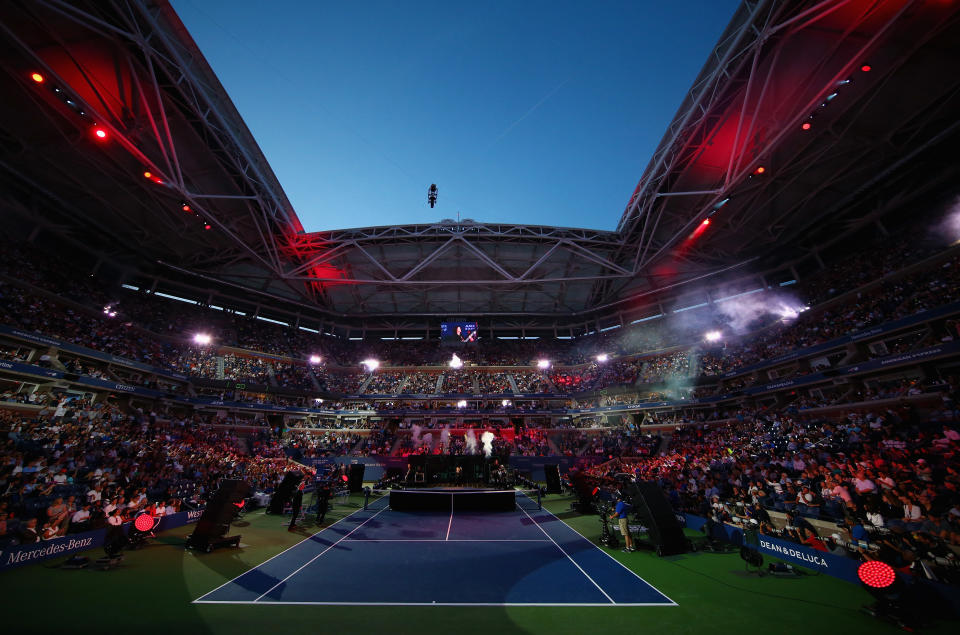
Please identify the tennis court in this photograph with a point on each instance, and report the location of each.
(381, 556)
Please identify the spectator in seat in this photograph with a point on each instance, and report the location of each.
(59, 515)
(80, 521)
(28, 533)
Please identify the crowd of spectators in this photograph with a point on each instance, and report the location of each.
(888, 475)
(84, 465)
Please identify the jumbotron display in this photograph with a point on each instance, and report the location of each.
(454, 333)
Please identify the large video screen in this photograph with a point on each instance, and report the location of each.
(458, 332)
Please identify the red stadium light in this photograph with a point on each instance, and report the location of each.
(706, 221)
(806, 125)
(345, 478)
(143, 522)
(206, 226)
(866, 68)
(876, 574)
(760, 170)
(37, 77)
(99, 133)
(148, 175)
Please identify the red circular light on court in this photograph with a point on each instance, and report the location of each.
(37, 77)
(866, 68)
(806, 126)
(876, 574)
(143, 522)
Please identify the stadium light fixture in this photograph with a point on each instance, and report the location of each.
(713, 336)
(866, 68)
(876, 574)
(806, 125)
(99, 133)
(455, 362)
(462, 403)
(505, 403)
(202, 339)
(314, 359)
(370, 364)
(760, 170)
(706, 221)
(37, 77)
(602, 357)
(543, 364)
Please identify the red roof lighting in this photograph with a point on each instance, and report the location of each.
(37, 77)
(806, 125)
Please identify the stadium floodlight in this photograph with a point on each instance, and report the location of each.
(602, 357)
(109, 312)
(455, 362)
(314, 359)
(713, 336)
(505, 403)
(370, 364)
(543, 363)
(462, 403)
(202, 339)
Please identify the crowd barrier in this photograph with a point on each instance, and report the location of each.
(19, 555)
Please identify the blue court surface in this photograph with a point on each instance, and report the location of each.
(381, 556)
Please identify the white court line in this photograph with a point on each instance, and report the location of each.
(672, 603)
(518, 604)
(566, 554)
(450, 524)
(439, 540)
(278, 555)
(320, 554)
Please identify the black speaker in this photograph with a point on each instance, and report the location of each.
(355, 478)
(222, 508)
(656, 514)
(284, 492)
(552, 475)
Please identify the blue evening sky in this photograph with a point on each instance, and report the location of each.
(520, 111)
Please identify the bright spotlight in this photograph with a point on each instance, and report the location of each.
(806, 125)
(713, 336)
(462, 403)
(543, 363)
(505, 403)
(370, 364)
(455, 362)
(602, 357)
(99, 133)
(314, 359)
(202, 339)
(37, 77)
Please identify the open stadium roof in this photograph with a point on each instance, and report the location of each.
(808, 121)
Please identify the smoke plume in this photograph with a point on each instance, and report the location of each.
(487, 439)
